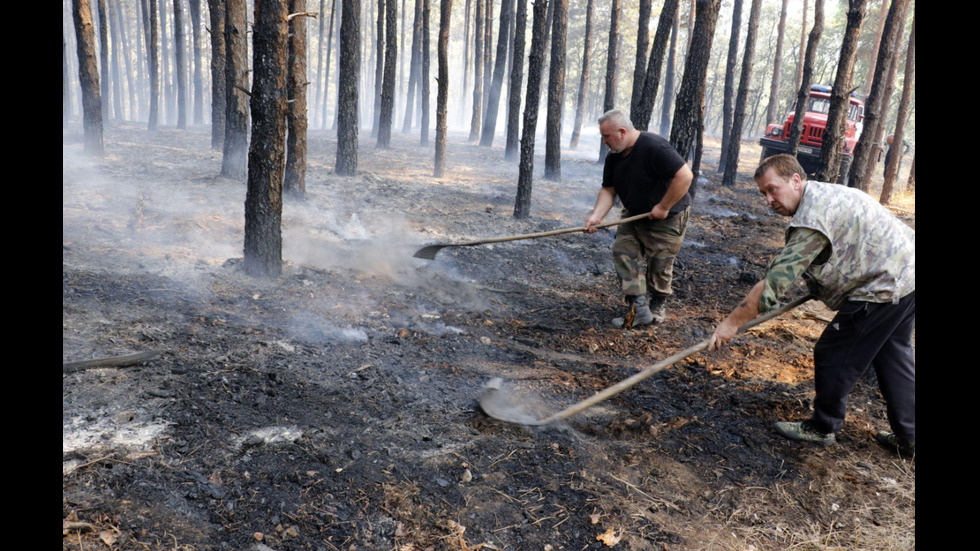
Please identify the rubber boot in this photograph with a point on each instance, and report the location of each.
(638, 314)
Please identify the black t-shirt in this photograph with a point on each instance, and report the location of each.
(641, 178)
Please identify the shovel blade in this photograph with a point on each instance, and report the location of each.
(497, 404)
(428, 252)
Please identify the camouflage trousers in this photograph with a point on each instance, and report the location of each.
(654, 242)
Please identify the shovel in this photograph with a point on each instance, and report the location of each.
(429, 251)
(495, 404)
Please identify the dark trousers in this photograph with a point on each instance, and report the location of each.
(864, 334)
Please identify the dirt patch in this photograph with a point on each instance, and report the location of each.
(336, 407)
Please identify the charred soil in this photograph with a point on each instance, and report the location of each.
(336, 408)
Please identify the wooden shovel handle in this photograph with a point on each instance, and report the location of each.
(554, 232)
(647, 372)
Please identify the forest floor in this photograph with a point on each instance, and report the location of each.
(336, 408)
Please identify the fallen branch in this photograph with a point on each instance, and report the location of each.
(113, 361)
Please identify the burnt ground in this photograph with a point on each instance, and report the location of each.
(336, 408)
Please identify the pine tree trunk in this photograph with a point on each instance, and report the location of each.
(104, 81)
(687, 126)
(800, 62)
(891, 169)
(556, 91)
(234, 158)
(478, 36)
(644, 108)
(180, 65)
(216, 15)
(612, 54)
(266, 155)
(806, 78)
(516, 80)
(425, 89)
(88, 76)
(414, 67)
(379, 65)
(117, 81)
(348, 68)
(876, 106)
(735, 142)
(772, 110)
(388, 79)
(294, 182)
(669, 73)
(833, 134)
(151, 15)
(640, 66)
(442, 93)
(729, 97)
(326, 71)
(197, 105)
(583, 83)
(497, 81)
(522, 205)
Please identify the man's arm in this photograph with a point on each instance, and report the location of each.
(804, 247)
(679, 185)
(603, 203)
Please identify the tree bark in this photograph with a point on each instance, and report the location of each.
(349, 69)
(425, 89)
(612, 53)
(442, 93)
(388, 79)
(642, 45)
(643, 109)
(180, 65)
(152, 18)
(729, 93)
(806, 78)
(690, 97)
(198, 96)
(478, 36)
(669, 73)
(497, 82)
(522, 205)
(876, 45)
(297, 124)
(876, 104)
(235, 151)
(88, 76)
(516, 80)
(556, 91)
(833, 134)
(891, 169)
(414, 67)
(379, 64)
(772, 110)
(266, 155)
(583, 83)
(735, 141)
(104, 80)
(219, 95)
(803, 38)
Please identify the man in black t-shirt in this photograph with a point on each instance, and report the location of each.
(648, 175)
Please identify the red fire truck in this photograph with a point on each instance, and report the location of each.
(776, 139)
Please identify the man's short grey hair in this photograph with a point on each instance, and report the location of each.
(617, 117)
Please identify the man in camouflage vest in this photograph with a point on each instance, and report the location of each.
(647, 175)
(858, 259)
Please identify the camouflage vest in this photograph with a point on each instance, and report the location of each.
(873, 252)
